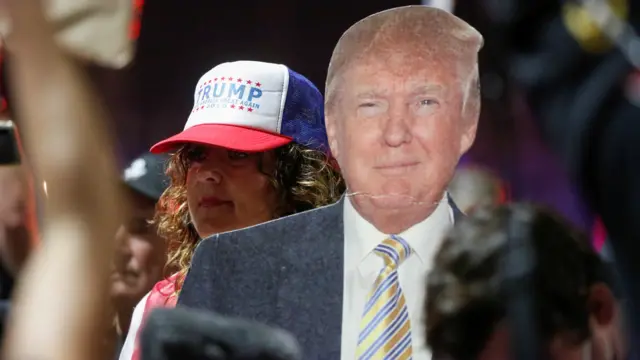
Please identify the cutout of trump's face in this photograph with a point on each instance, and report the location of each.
(401, 110)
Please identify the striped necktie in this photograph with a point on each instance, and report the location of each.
(385, 329)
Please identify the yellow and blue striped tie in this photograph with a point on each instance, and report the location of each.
(385, 329)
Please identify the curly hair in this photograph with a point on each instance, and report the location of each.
(303, 179)
(465, 290)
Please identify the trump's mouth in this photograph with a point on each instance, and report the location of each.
(397, 168)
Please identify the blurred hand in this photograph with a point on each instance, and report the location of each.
(23, 34)
(95, 31)
(62, 295)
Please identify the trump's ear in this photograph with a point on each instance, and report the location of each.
(470, 114)
(330, 124)
(468, 130)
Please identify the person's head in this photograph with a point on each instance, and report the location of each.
(402, 106)
(254, 149)
(474, 186)
(18, 216)
(465, 309)
(141, 254)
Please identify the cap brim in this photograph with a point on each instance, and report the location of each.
(227, 136)
(138, 189)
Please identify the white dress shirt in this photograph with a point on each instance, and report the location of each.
(446, 5)
(362, 266)
(126, 353)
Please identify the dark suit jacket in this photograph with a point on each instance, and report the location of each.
(286, 273)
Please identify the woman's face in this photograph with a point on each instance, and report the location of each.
(228, 190)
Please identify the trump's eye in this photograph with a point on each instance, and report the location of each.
(371, 108)
(428, 102)
(425, 107)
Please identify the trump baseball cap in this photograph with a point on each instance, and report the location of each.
(253, 106)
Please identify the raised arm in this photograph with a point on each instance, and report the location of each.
(60, 302)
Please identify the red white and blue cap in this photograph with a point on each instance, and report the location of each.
(253, 106)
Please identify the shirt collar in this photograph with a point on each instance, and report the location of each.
(423, 237)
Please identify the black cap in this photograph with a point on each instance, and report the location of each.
(146, 175)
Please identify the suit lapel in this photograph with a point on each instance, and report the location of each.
(311, 285)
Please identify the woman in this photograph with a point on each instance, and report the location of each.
(254, 149)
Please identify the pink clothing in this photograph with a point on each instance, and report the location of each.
(162, 295)
(599, 235)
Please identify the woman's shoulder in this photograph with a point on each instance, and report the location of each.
(163, 293)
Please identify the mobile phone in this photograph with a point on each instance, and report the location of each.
(9, 152)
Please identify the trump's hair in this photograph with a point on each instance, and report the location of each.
(424, 31)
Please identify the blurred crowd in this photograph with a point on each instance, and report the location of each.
(283, 223)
